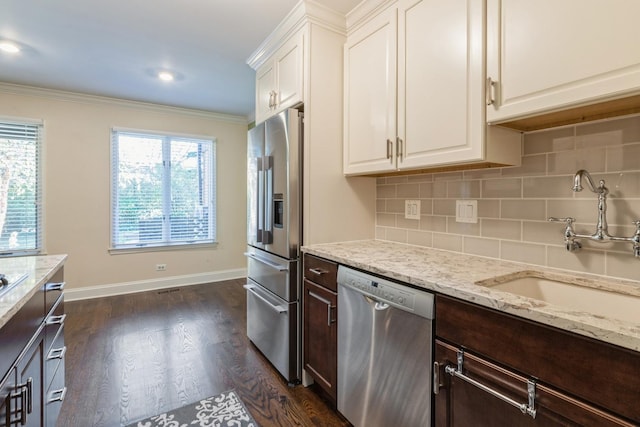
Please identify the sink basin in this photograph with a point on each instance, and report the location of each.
(595, 301)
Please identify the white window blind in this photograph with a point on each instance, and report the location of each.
(20, 188)
(163, 190)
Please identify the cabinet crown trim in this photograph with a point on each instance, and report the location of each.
(364, 11)
(306, 11)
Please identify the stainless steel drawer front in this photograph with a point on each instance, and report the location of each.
(272, 327)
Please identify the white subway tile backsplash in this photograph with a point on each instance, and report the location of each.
(523, 252)
(421, 238)
(449, 242)
(501, 188)
(501, 229)
(483, 247)
(514, 203)
(523, 209)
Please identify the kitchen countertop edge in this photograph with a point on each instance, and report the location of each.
(455, 274)
(40, 269)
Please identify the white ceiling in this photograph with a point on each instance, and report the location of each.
(112, 48)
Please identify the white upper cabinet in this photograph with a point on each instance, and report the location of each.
(279, 81)
(550, 55)
(431, 113)
(370, 96)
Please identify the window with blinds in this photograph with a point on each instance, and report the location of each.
(163, 190)
(20, 188)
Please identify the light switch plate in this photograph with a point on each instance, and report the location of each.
(412, 209)
(467, 211)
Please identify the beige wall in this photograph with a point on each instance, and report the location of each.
(514, 203)
(77, 184)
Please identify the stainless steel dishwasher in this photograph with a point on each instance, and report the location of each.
(385, 333)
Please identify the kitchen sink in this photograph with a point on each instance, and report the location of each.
(599, 302)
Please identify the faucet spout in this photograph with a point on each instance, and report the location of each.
(577, 182)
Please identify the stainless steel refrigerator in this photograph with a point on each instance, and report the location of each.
(274, 193)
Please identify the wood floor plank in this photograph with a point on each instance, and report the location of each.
(133, 356)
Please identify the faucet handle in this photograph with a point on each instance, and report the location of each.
(637, 224)
(568, 220)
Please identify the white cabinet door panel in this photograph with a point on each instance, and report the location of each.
(440, 75)
(555, 54)
(370, 96)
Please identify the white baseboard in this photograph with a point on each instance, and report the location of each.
(76, 294)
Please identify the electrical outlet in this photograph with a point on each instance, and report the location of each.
(467, 211)
(161, 267)
(412, 209)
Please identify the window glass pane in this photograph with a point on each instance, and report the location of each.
(19, 188)
(165, 192)
(189, 191)
(139, 207)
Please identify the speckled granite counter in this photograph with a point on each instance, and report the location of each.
(39, 269)
(456, 275)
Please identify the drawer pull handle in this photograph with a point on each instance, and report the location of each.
(57, 353)
(55, 286)
(318, 271)
(56, 320)
(57, 395)
(526, 408)
(329, 306)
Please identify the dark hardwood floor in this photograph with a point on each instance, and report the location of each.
(133, 356)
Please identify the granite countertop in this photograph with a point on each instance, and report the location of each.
(39, 269)
(456, 275)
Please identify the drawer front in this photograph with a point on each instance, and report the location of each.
(54, 323)
(564, 360)
(53, 289)
(55, 356)
(54, 397)
(321, 271)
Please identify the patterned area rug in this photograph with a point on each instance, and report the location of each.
(223, 410)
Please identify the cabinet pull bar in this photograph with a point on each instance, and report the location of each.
(318, 271)
(399, 148)
(56, 320)
(436, 378)
(490, 91)
(526, 408)
(55, 286)
(57, 353)
(329, 306)
(389, 148)
(57, 395)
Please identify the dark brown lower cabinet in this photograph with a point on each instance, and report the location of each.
(460, 403)
(321, 336)
(487, 361)
(320, 325)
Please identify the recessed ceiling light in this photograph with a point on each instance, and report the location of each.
(166, 76)
(9, 47)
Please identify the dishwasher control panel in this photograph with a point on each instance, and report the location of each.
(386, 291)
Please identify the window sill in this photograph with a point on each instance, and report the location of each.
(162, 248)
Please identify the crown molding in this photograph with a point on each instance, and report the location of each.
(305, 11)
(16, 89)
(364, 11)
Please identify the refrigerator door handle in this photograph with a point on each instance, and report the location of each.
(254, 290)
(268, 208)
(260, 200)
(279, 267)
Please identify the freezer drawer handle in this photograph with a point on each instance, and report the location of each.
(278, 308)
(278, 267)
(526, 408)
